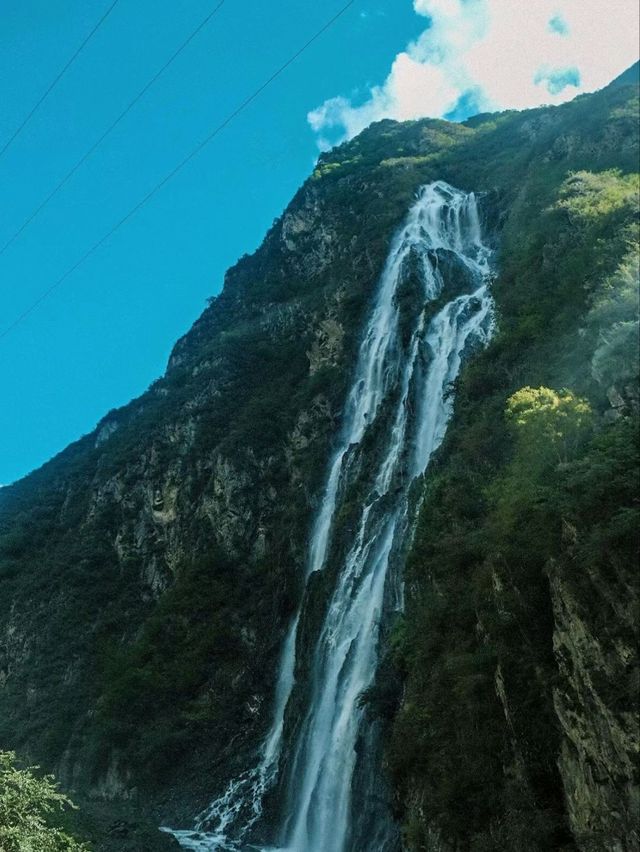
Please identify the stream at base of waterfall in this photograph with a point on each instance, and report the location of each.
(403, 380)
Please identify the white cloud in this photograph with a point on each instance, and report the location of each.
(511, 54)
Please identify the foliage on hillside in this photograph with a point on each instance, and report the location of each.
(144, 627)
(536, 483)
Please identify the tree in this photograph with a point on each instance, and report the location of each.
(548, 422)
(549, 427)
(30, 811)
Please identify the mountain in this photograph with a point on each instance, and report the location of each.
(629, 77)
(167, 647)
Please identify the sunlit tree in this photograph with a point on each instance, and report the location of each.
(31, 807)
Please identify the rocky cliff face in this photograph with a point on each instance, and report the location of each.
(148, 572)
(600, 741)
(519, 649)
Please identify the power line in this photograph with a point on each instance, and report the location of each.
(60, 75)
(245, 103)
(111, 127)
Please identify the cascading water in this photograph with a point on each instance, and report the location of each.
(401, 390)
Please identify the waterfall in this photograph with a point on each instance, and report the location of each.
(400, 389)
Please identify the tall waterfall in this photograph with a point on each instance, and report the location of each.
(401, 396)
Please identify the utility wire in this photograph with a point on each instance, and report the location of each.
(245, 103)
(59, 77)
(111, 127)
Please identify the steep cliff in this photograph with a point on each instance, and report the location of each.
(519, 648)
(149, 572)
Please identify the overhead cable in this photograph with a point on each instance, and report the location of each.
(57, 78)
(194, 152)
(109, 129)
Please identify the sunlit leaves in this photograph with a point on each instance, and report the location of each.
(30, 810)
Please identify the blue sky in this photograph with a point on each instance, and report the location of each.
(105, 335)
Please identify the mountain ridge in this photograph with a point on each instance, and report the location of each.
(150, 569)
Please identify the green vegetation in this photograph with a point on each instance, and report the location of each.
(533, 496)
(185, 677)
(477, 649)
(147, 574)
(32, 811)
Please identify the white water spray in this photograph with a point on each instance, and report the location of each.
(407, 381)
